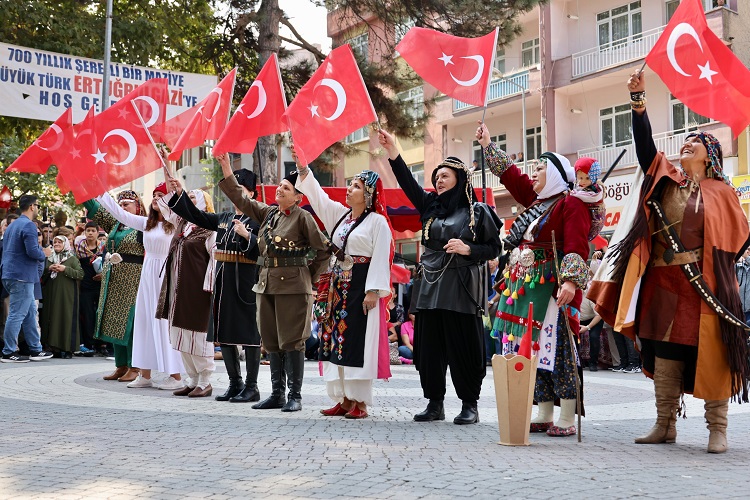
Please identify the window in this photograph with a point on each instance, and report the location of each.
(413, 99)
(358, 135)
(403, 29)
(533, 143)
(500, 140)
(359, 44)
(417, 171)
(671, 6)
(683, 119)
(617, 25)
(615, 124)
(409, 250)
(530, 53)
(500, 59)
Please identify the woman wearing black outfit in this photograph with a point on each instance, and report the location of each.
(459, 236)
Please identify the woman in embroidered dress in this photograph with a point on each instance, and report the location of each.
(686, 347)
(354, 333)
(185, 298)
(151, 347)
(532, 276)
(459, 236)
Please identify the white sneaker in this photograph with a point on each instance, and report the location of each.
(171, 384)
(141, 383)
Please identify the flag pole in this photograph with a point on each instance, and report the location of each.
(167, 174)
(640, 71)
(484, 113)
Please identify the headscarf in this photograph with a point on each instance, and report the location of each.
(560, 175)
(129, 194)
(715, 156)
(590, 167)
(58, 258)
(370, 180)
(161, 188)
(203, 201)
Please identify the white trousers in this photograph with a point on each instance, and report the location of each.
(353, 390)
(199, 369)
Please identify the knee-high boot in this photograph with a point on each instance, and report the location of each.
(277, 399)
(232, 363)
(295, 361)
(667, 388)
(250, 393)
(716, 418)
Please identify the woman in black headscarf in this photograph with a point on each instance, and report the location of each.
(459, 235)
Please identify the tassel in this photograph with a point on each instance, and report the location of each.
(532, 285)
(511, 337)
(509, 301)
(506, 275)
(552, 279)
(521, 291)
(541, 280)
(505, 338)
(506, 292)
(527, 279)
(502, 286)
(535, 346)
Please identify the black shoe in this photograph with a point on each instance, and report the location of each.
(278, 384)
(67, 355)
(593, 368)
(434, 411)
(235, 387)
(292, 405)
(295, 368)
(468, 415)
(249, 394)
(14, 357)
(272, 402)
(40, 356)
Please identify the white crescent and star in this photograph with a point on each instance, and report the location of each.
(218, 91)
(448, 59)
(262, 99)
(685, 29)
(338, 89)
(129, 139)
(58, 139)
(154, 109)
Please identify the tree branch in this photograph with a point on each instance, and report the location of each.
(302, 42)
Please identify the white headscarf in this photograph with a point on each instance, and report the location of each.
(200, 200)
(555, 183)
(59, 258)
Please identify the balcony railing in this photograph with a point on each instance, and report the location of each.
(615, 53)
(493, 181)
(500, 88)
(669, 142)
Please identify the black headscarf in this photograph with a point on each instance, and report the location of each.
(448, 202)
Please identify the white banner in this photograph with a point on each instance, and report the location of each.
(39, 85)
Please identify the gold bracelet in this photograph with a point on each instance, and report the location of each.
(638, 104)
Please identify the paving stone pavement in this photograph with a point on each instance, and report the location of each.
(69, 434)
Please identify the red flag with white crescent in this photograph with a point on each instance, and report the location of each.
(204, 121)
(331, 105)
(700, 70)
(260, 113)
(150, 99)
(37, 158)
(458, 67)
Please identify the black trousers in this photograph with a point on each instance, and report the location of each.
(89, 302)
(447, 338)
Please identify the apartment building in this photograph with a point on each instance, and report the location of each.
(560, 86)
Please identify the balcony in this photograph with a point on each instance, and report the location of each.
(493, 181)
(615, 53)
(669, 142)
(500, 88)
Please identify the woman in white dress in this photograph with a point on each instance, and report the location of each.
(354, 336)
(185, 299)
(151, 347)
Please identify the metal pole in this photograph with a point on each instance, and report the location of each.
(523, 124)
(107, 55)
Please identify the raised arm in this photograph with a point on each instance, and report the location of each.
(645, 148)
(131, 220)
(416, 193)
(96, 213)
(329, 211)
(166, 211)
(518, 184)
(234, 192)
(182, 205)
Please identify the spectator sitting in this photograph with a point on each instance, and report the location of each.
(406, 351)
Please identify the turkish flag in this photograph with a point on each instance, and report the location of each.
(331, 105)
(37, 158)
(107, 152)
(700, 70)
(260, 113)
(458, 67)
(204, 121)
(151, 101)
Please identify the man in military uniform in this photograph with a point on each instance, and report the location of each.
(234, 306)
(284, 289)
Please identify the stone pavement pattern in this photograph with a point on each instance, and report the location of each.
(69, 434)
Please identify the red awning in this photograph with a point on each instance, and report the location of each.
(404, 217)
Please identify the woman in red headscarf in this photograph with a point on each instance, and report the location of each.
(354, 335)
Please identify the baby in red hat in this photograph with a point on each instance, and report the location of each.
(590, 191)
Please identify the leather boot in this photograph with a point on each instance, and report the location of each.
(232, 363)
(250, 392)
(434, 411)
(716, 418)
(295, 363)
(468, 415)
(277, 399)
(667, 388)
(119, 372)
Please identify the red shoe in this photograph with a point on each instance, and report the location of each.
(540, 426)
(336, 411)
(556, 431)
(356, 413)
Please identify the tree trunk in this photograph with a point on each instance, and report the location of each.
(268, 42)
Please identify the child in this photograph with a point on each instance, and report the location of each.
(591, 192)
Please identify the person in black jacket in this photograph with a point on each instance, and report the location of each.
(459, 235)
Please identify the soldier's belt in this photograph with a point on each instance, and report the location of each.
(282, 261)
(672, 258)
(231, 256)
